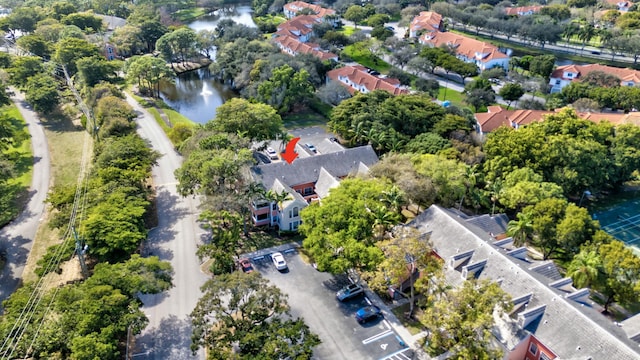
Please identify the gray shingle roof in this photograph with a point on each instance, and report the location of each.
(325, 183)
(569, 328)
(496, 224)
(306, 170)
(327, 146)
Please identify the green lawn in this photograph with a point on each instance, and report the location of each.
(304, 119)
(186, 15)
(455, 97)
(347, 30)
(360, 53)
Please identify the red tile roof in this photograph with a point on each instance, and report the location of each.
(426, 20)
(522, 9)
(358, 75)
(464, 46)
(298, 26)
(625, 74)
(296, 6)
(496, 117)
(298, 47)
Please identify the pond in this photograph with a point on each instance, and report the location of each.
(196, 94)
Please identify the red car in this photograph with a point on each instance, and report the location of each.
(245, 265)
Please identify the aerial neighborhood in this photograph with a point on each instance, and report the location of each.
(214, 179)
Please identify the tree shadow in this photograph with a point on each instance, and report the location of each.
(15, 254)
(170, 340)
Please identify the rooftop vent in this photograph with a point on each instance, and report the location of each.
(580, 296)
(473, 270)
(565, 284)
(526, 317)
(458, 259)
(504, 243)
(519, 253)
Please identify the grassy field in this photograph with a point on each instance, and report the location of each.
(455, 97)
(186, 15)
(66, 142)
(304, 119)
(360, 53)
(23, 157)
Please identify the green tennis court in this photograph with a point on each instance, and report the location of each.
(622, 222)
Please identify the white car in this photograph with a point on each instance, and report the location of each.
(278, 261)
(273, 155)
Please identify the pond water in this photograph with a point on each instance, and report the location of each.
(196, 94)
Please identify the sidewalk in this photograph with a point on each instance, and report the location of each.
(412, 341)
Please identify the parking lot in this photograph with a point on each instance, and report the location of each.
(312, 295)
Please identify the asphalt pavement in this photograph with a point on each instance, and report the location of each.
(175, 239)
(16, 238)
(312, 296)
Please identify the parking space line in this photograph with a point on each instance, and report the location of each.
(400, 354)
(289, 251)
(377, 337)
(258, 258)
(386, 323)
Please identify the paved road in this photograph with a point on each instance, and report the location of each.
(168, 335)
(17, 237)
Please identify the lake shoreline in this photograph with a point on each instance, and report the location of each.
(187, 66)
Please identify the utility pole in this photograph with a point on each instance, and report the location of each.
(80, 252)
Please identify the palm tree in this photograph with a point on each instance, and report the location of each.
(584, 268)
(278, 198)
(357, 133)
(394, 198)
(585, 34)
(520, 229)
(570, 30)
(382, 220)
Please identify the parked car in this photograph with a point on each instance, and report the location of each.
(368, 313)
(311, 147)
(273, 155)
(390, 28)
(278, 261)
(245, 265)
(350, 292)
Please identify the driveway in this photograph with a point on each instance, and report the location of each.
(312, 296)
(16, 238)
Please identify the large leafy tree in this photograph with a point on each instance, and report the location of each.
(511, 92)
(454, 327)
(179, 45)
(285, 88)
(254, 121)
(241, 316)
(41, 92)
(573, 153)
(23, 68)
(408, 257)
(620, 280)
(93, 70)
(70, 50)
(88, 320)
(147, 71)
(339, 231)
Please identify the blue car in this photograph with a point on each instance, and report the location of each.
(368, 313)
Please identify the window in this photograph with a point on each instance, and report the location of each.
(274, 206)
(557, 82)
(533, 348)
(544, 356)
(110, 50)
(261, 217)
(570, 75)
(308, 191)
(295, 211)
(293, 226)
